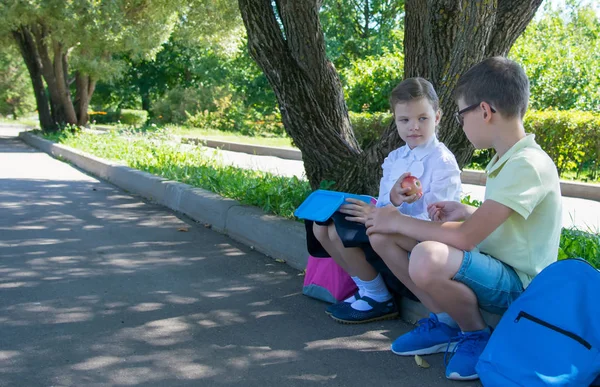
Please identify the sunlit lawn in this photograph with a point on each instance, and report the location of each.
(219, 135)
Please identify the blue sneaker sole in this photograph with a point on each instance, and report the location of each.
(388, 316)
(438, 348)
(456, 376)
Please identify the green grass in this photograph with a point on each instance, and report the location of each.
(213, 134)
(151, 152)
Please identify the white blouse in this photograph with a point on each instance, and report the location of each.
(433, 164)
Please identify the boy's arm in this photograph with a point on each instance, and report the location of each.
(461, 235)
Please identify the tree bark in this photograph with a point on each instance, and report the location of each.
(28, 49)
(309, 92)
(443, 39)
(84, 89)
(53, 71)
(60, 73)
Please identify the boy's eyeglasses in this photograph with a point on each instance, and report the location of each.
(459, 115)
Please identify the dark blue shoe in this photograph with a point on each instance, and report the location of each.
(337, 305)
(466, 354)
(345, 314)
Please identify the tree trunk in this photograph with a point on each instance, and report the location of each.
(309, 93)
(84, 89)
(60, 73)
(442, 40)
(53, 71)
(145, 94)
(28, 49)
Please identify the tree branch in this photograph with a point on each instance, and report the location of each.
(513, 17)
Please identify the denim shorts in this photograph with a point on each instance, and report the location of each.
(495, 284)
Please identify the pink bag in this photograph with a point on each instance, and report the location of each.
(325, 280)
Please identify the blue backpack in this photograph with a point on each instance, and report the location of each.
(550, 336)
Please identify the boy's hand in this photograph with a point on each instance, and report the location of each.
(447, 211)
(357, 209)
(398, 194)
(383, 220)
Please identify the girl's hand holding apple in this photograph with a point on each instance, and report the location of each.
(407, 189)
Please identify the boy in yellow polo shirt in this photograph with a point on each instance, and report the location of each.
(484, 257)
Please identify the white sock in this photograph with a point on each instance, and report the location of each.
(374, 289)
(361, 290)
(446, 319)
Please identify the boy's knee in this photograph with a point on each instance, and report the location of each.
(427, 263)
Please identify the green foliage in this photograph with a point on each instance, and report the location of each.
(236, 118)
(470, 201)
(561, 55)
(16, 93)
(135, 118)
(100, 117)
(357, 29)
(175, 106)
(369, 82)
(571, 138)
(580, 244)
(369, 127)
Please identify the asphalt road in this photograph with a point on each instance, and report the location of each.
(100, 288)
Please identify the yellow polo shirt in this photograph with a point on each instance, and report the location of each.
(526, 180)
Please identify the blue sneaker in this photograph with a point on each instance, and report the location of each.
(466, 354)
(345, 314)
(430, 336)
(331, 308)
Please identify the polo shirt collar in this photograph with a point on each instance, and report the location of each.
(496, 164)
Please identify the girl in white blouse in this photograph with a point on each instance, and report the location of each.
(415, 105)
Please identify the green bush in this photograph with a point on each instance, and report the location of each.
(571, 138)
(368, 127)
(101, 117)
(133, 118)
(176, 104)
(369, 82)
(560, 52)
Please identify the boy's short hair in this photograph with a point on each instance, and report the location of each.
(413, 89)
(498, 81)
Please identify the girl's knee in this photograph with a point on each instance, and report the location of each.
(427, 262)
(379, 242)
(332, 233)
(320, 232)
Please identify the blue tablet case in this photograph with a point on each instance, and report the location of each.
(321, 204)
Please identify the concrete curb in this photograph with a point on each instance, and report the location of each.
(271, 235)
(284, 153)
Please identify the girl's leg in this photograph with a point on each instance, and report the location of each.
(352, 260)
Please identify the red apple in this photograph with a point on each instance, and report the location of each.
(414, 184)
